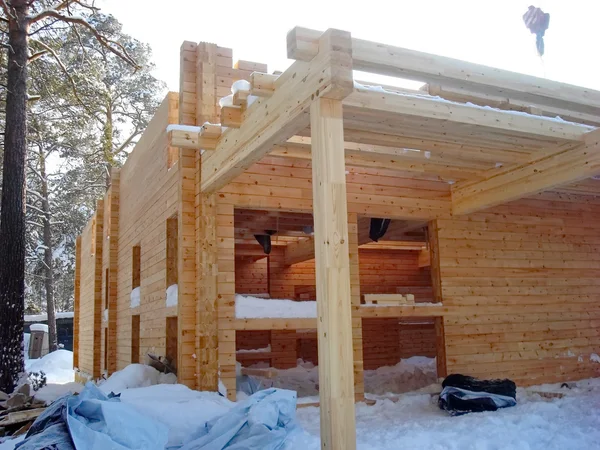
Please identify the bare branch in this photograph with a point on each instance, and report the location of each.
(37, 55)
(29, 205)
(112, 46)
(31, 222)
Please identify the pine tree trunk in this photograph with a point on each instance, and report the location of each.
(12, 214)
(108, 144)
(48, 267)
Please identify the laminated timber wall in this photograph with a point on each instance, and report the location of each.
(90, 296)
(110, 245)
(148, 196)
(523, 280)
(381, 272)
(385, 341)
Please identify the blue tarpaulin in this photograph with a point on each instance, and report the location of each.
(94, 421)
(261, 422)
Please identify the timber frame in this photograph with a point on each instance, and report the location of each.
(487, 140)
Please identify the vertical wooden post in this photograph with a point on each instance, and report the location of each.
(186, 225)
(207, 339)
(440, 339)
(225, 238)
(357, 337)
(332, 263)
(76, 302)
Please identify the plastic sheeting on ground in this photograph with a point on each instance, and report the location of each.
(93, 421)
(261, 422)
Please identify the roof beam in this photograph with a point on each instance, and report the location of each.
(560, 168)
(393, 61)
(299, 251)
(272, 120)
(432, 108)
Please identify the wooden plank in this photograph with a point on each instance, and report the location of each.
(277, 118)
(409, 64)
(332, 266)
(191, 139)
(560, 168)
(406, 311)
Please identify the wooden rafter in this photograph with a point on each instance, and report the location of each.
(560, 168)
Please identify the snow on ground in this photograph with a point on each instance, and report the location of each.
(408, 375)
(135, 376)
(249, 307)
(181, 409)
(58, 366)
(415, 422)
(44, 317)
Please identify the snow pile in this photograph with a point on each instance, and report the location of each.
(51, 392)
(408, 375)
(181, 409)
(249, 307)
(415, 422)
(44, 317)
(240, 85)
(172, 295)
(595, 358)
(105, 315)
(135, 376)
(134, 298)
(226, 101)
(58, 366)
(187, 128)
(256, 350)
(39, 327)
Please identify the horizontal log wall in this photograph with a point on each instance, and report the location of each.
(381, 271)
(148, 197)
(527, 278)
(90, 291)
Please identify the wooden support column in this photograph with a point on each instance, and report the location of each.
(332, 264)
(207, 339)
(440, 339)
(357, 335)
(186, 269)
(76, 302)
(226, 297)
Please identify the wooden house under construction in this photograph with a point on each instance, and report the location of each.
(460, 221)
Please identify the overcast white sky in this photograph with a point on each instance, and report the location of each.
(482, 31)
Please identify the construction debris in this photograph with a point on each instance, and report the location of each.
(18, 411)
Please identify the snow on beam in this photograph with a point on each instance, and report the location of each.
(280, 116)
(393, 61)
(558, 169)
(438, 108)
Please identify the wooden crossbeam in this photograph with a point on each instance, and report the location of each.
(393, 61)
(432, 108)
(231, 116)
(279, 117)
(262, 84)
(299, 251)
(560, 168)
(190, 140)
